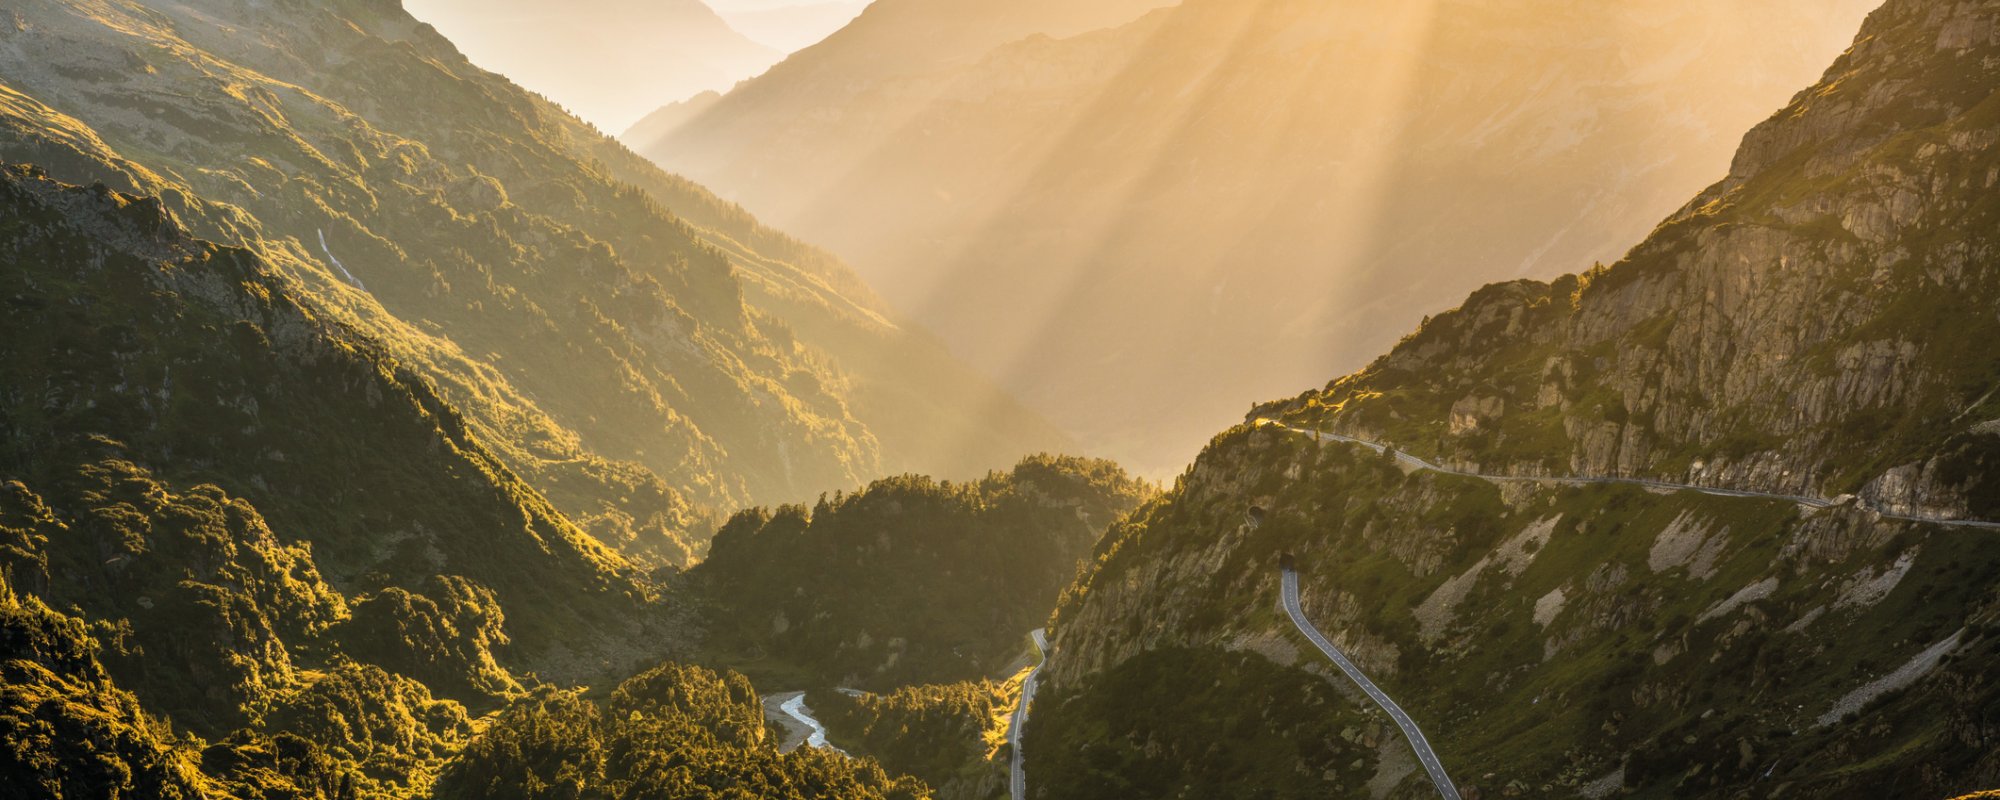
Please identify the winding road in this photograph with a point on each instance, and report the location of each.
(1810, 502)
(1418, 743)
(1017, 781)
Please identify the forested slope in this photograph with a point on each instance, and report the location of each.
(910, 580)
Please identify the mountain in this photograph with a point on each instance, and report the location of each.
(642, 354)
(245, 552)
(608, 61)
(1816, 325)
(789, 25)
(1136, 228)
(169, 406)
(890, 40)
(244, 511)
(909, 581)
(286, 510)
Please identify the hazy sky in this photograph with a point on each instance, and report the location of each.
(614, 61)
(759, 5)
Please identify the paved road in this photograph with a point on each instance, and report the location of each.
(1418, 743)
(1810, 502)
(1017, 781)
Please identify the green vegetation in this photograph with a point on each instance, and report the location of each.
(672, 732)
(201, 647)
(909, 581)
(65, 729)
(190, 452)
(448, 644)
(390, 728)
(952, 737)
(287, 568)
(1655, 657)
(1199, 723)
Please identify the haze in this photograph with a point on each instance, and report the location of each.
(1137, 216)
(1141, 223)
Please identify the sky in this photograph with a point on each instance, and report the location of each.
(726, 6)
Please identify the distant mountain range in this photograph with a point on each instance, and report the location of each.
(1136, 228)
(608, 61)
(890, 41)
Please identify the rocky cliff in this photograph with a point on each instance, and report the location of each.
(1818, 323)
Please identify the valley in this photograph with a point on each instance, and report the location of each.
(374, 427)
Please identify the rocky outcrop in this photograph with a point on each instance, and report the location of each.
(1782, 332)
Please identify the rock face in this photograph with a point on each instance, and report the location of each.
(1821, 322)
(1818, 323)
(646, 355)
(1236, 197)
